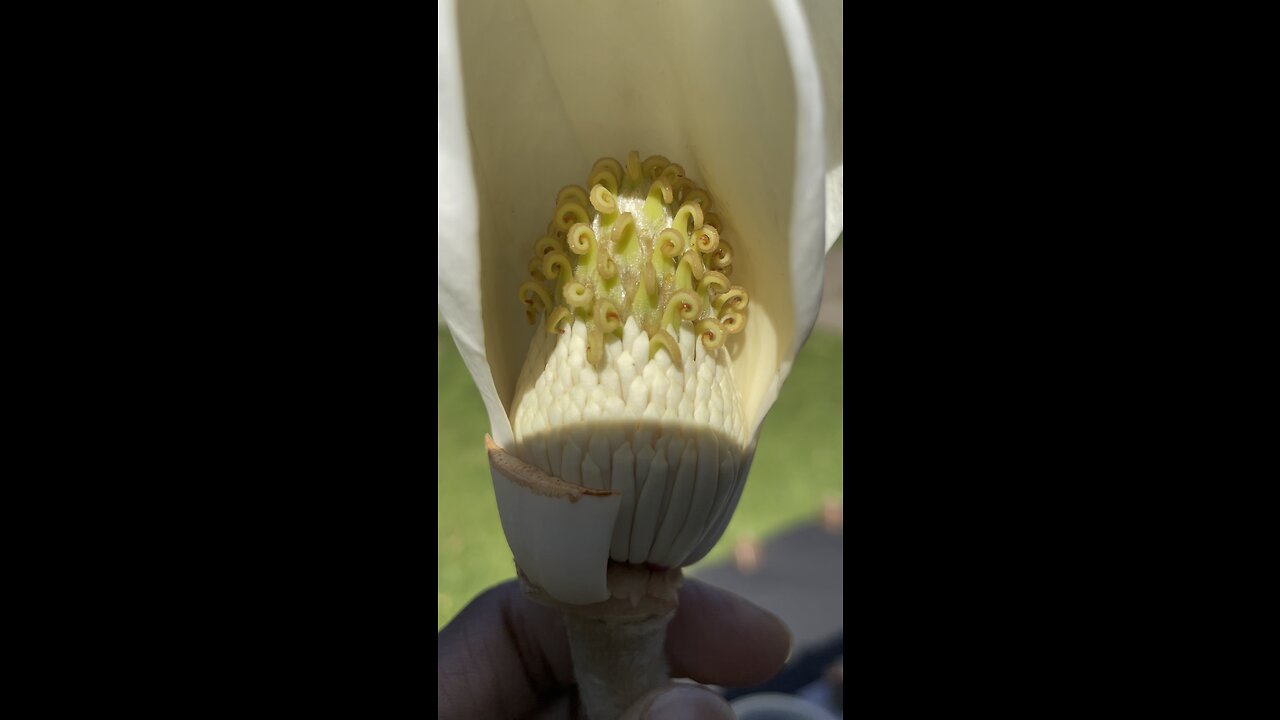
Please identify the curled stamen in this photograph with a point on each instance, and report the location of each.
(712, 333)
(699, 196)
(663, 339)
(557, 263)
(670, 242)
(638, 262)
(688, 211)
(595, 345)
(620, 227)
(571, 193)
(532, 293)
(545, 245)
(661, 185)
(732, 322)
(578, 295)
(683, 303)
(606, 316)
(560, 314)
(633, 166)
(603, 201)
(715, 281)
(654, 165)
(605, 179)
(694, 261)
(734, 299)
(580, 238)
(569, 213)
(722, 257)
(683, 185)
(607, 163)
(605, 265)
(707, 239)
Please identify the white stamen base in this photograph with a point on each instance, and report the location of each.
(668, 438)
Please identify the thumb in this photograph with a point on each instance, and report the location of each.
(680, 701)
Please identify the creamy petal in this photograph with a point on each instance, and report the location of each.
(458, 258)
(825, 19)
(558, 533)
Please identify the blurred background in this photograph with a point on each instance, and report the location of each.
(783, 548)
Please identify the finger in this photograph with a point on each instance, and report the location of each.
(680, 702)
(718, 637)
(504, 655)
(501, 657)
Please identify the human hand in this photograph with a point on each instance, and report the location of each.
(507, 657)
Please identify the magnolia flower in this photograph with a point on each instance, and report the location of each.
(635, 201)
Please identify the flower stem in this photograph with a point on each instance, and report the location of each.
(616, 660)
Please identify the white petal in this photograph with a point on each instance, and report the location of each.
(826, 30)
(458, 257)
(559, 533)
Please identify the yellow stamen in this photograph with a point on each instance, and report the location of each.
(663, 188)
(640, 243)
(557, 316)
(557, 263)
(733, 323)
(692, 261)
(663, 339)
(712, 333)
(633, 166)
(707, 239)
(606, 163)
(713, 281)
(670, 242)
(687, 212)
(570, 212)
(701, 197)
(734, 299)
(723, 256)
(621, 236)
(595, 345)
(571, 193)
(533, 293)
(603, 201)
(654, 165)
(578, 295)
(605, 265)
(605, 179)
(580, 238)
(683, 304)
(546, 244)
(607, 317)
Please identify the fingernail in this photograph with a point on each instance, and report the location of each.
(689, 703)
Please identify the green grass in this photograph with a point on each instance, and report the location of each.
(800, 461)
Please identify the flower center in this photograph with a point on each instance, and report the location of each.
(631, 389)
(642, 244)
